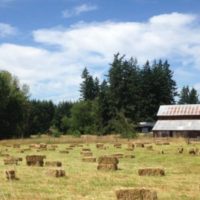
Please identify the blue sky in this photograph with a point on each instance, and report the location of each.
(47, 43)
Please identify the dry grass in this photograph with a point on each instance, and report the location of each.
(84, 182)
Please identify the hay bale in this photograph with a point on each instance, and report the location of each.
(140, 145)
(150, 148)
(194, 151)
(87, 154)
(99, 146)
(108, 160)
(118, 155)
(136, 194)
(10, 161)
(131, 145)
(53, 163)
(118, 146)
(11, 175)
(16, 145)
(129, 156)
(180, 150)
(56, 172)
(64, 151)
(35, 160)
(69, 148)
(151, 172)
(86, 149)
(89, 159)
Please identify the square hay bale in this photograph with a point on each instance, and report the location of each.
(118, 145)
(99, 146)
(130, 149)
(35, 160)
(131, 145)
(56, 172)
(149, 147)
(69, 148)
(136, 194)
(10, 161)
(107, 167)
(89, 159)
(86, 149)
(53, 163)
(151, 172)
(193, 151)
(11, 175)
(64, 151)
(140, 145)
(16, 145)
(180, 150)
(129, 156)
(108, 160)
(87, 154)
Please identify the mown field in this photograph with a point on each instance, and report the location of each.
(84, 181)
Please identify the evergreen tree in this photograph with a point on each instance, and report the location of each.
(188, 96)
(89, 86)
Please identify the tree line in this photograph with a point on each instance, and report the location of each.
(128, 94)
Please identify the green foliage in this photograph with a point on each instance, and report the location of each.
(89, 87)
(55, 132)
(13, 107)
(41, 114)
(188, 96)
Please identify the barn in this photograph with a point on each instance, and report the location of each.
(178, 120)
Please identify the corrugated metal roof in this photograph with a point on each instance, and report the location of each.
(179, 110)
(177, 125)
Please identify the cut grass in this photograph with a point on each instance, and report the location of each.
(84, 181)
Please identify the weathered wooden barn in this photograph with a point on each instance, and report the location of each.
(178, 120)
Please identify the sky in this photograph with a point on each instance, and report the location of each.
(47, 43)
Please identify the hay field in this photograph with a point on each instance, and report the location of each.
(84, 182)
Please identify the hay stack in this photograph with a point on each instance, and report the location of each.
(53, 163)
(100, 146)
(180, 150)
(151, 172)
(16, 145)
(136, 194)
(140, 145)
(35, 160)
(11, 175)
(118, 145)
(194, 151)
(56, 172)
(12, 160)
(89, 159)
(107, 163)
(64, 151)
(129, 156)
(150, 148)
(118, 155)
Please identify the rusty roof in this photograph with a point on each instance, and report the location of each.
(179, 110)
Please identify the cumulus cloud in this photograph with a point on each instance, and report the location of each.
(78, 10)
(7, 30)
(56, 73)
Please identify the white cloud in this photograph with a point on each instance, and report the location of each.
(56, 73)
(7, 30)
(78, 10)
